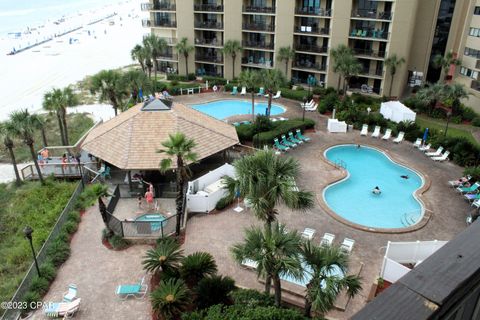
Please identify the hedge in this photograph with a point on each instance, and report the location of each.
(245, 132)
(280, 128)
(294, 94)
(178, 77)
(219, 81)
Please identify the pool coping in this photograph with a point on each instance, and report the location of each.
(427, 214)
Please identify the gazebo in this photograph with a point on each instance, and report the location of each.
(130, 141)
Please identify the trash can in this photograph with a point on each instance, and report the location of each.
(350, 127)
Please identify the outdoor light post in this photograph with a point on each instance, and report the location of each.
(304, 106)
(27, 231)
(449, 114)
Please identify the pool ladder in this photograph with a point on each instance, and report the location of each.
(410, 218)
(339, 163)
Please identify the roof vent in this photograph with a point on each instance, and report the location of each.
(157, 105)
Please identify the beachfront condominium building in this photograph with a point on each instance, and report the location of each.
(415, 30)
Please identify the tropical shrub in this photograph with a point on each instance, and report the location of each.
(472, 171)
(328, 102)
(58, 252)
(262, 124)
(48, 271)
(39, 285)
(70, 226)
(252, 298)
(197, 266)
(242, 312)
(214, 290)
(212, 81)
(118, 242)
(223, 203)
(170, 298)
(293, 94)
(245, 132)
(476, 122)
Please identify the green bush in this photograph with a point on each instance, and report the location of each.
(456, 119)
(191, 77)
(215, 81)
(300, 88)
(467, 113)
(30, 298)
(242, 312)
(281, 127)
(74, 216)
(214, 290)
(223, 203)
(262, 124)
(328, 102)
(39, 285)
(176, 77)
(63, 236)
(58, 252)
(245, 132)
(70, 227)
(118, 242)
(462, 151)
(173, 83)
(252, 298)
(293, 94)
(472, 171)
(48, 271)
(476, 122)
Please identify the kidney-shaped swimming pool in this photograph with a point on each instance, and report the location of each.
(352, 198)
(222, 109)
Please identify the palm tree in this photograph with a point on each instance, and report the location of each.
(392, 63)
(110, 85)
(134, 80)
(180, 147)
(197, 266)
(166, 257)
(266, 180)
(232, 47)
(250, 79)
(184, 48)
(431, 95)
(138, 54)
(42, 123)
(455, 92)
(324, 286)
(276, 252)
(272, 80)
(156, 45)
(22, 124)
(7, 138)
(286, 54)
(351, 67)
(57, 101)
(445, 63)
(171, 298)
(338, 55)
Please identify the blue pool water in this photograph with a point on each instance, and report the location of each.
(352, 198)
(307, 276)
(157, 220)
(226, 108)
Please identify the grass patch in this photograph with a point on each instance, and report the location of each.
(78, 124)
(454, 131)
(33, 205)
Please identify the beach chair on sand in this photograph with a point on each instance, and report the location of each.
(376, 132)
(387, 135)
(308, 233)
(400, 137)
(234, 91)
(417, 143)
(327, 239)
(347, 245)
(62, 309)
(138, 290)
(244, 91)
(364, 131)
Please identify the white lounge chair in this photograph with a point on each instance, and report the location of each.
(278, 95)
(62, 309)
(347, 245)
(71, 294)
(417, 143)
(312, 108)
(399, 138)
(476, 203)
(425, 148)
(308, 104)
(436, 153)
(364, 131)
(308, 233)
(376, 132)
(327, 239)
(244, 91)
(387, 135)
(459, 182)
(249, 264)
(443, 157)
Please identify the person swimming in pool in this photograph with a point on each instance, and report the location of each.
(376, 190)
(404, 176)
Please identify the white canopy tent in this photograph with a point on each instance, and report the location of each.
(396, 111)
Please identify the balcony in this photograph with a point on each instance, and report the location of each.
(312, 30)
(206, 58)
(258, 9)
(259, 27)
(208, 7)
(146, 6)
(257, 63)
(257, 45)
(209, 42)
(310, 48)
(209, 25)
(371, 73)
(307, 65)
(477, 64)
(371, 14)
(159, 6)
(475, 85)
(369, 53)
(372, 34)
(160, 24)
(169, 41)
(169, 56)
(311, 11)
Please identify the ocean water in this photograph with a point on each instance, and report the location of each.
(17, 15)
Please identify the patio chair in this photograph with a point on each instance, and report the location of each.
(425, 148)
(278, 95)
(261, 92)
(435, 153)
(62, 309)
(278, 146)
(132, 290)
(441, 158)
(249, 264)
(308, 233)
(376, 132)
(460, 182)
(472, 196)
(292, 138)
(71, 294)
(476, 203)
(417, 143)
(301, 137)
(244, 91)
(234, 91)
(308, 104)
(236, 124)
(327, 239)
(387, 134)
(364, 33)
(472, 188)
(287, 143)
(364, 130)
(359, 33)
(354, 33)
(400, 137)
(347, 245)
(312, 108)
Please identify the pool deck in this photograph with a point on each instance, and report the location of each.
(216, 233)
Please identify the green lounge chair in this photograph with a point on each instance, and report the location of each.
(473, 188)
(359, 33)
(234, 91)
(236, 124)
(292, 138)
(278, 146)
(246, 122)
(135, 290)
(354, 33)
(302, 137)
(288, 143)
(261, 92)
(364, 33)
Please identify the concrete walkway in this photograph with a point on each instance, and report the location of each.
(97, 271)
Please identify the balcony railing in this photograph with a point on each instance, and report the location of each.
(314, 30)
(475, 85)
(310, 48)
(314, 11)
(201, 72)
(369, 33)
(208, 7)
(259, 27)
(309, 65)
(477, 64)
(168, 56)
(258, 45)
(163, 24)
(370, 53)
(208, 24)
(258, 9)
(161, 6)
(208, 58)
(146, 6)
(169, 41)
(261, 62)
(371, 14)
(368, 72)
(209, 42)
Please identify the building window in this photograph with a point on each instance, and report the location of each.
(469, 73)
(472, 52)
(474, 32)
(476, 11)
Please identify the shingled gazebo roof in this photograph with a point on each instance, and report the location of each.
(131, 139)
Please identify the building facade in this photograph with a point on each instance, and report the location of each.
(412, 29)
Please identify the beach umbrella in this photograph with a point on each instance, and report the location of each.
(425, 135)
